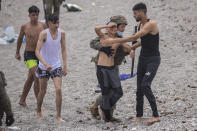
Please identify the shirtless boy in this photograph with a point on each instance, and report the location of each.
(149, 60)
(106, 74)
(31, 31)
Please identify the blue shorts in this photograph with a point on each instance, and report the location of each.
(47, 74)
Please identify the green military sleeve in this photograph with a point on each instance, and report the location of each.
(120, 56)
(95, 44)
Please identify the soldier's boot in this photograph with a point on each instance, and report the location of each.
(1, 116)
(94, 111)
(9, 120)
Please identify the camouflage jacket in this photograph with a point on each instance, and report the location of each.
(119, 56)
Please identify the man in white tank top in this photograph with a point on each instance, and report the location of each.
(47, 51)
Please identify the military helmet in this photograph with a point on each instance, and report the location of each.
(119, 19)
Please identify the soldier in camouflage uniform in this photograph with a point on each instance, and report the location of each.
(51, 7)
(0, 4)
(5, 105)
(118, 59)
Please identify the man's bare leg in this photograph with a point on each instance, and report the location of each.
(58, 83)
(36, 82)
(153, 120)
(27, 87)
(43, 86)
(137, 119)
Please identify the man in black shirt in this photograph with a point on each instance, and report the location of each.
(148, 64)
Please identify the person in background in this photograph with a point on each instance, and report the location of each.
(31, 31)
(5, 104)
(51, 7)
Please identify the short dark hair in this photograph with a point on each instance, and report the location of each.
(140, 6)
(33, 9)
(53, 18)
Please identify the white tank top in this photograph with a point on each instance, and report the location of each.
(50, 51)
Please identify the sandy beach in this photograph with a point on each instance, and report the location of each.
(177, 106)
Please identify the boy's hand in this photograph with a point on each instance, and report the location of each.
(17, 56)
(48, 67)
(64, 71)
(132, 53)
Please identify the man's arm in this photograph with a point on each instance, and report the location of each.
(136, 45)
(64, 53)
(148, 27)
(19, 42)
(41, 39)
(126, 47)
(100, 27)
(98, 30)
(95, 44)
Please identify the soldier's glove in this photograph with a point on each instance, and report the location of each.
(9, 120)
(107, 50)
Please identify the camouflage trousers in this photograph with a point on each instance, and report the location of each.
(51, 7)
(5, 105)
